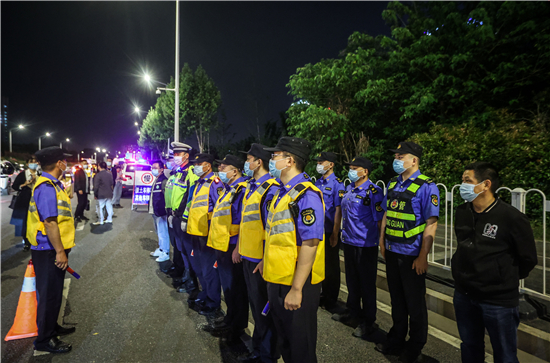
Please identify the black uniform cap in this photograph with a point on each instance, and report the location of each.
(294, 145)
(232, 160)
(361, 162)
(51, 155)
(258, 151)
(201, 158)
(326, 156)
(408, 147)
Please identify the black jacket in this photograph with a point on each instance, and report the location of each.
(80, 181)
(495, 249)
(157, 193)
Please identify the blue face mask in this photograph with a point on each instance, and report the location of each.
(398, 166)
(155, 172)
(273, 171)
(198, 170)
(108, 163)
(247, 171)
(352, 175)
(467, 191)
(169, 165)
(33, 166)
(223, 177)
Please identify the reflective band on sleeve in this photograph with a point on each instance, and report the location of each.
(282, 228)
(250, 218)
(402, 216)
(29, 284)
(252, 207)
(416, 230)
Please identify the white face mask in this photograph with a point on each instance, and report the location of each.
(321, 169)
(178, 160)
(63, 170)
(198, 170)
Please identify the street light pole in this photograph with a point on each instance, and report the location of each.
(15, 128)
(40, 140)
(177, 100)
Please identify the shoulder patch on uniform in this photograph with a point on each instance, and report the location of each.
(338, 180)
(328, 188)
(220, 190)
(308, 216)
(379, 207)
(429, 180)
(435, 200)
(341, 193)
(373, 189)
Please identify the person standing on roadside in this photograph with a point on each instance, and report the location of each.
(117, 192)
(406, 237)
(82, 189)
(51, 231)
(333, 191)
(157, 208)
(495, 249)
(103, 192)
(24, 183)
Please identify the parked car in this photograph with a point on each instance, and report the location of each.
(6, 177)
(128, 171)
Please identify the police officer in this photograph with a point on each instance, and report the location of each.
(333, 191)
(362, 215)
(51, 232)
(176, 194)
(203, 258)
(293, 263)
(223, 237)
(407, 234)
(157, 208)
(257, 199)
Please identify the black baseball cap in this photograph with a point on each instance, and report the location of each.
(50, 155)
(408, 147)
(361, 162)
(258, 151)
(232, 160)
(326, 156)
(294, 145)
(201, 158)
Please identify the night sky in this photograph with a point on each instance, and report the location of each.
(73, 68)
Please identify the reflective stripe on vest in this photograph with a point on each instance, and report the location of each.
(221, 227)
(281, 251)
(65, 220)
(401, 224)
(197, 225)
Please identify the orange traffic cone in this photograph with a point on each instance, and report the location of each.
(24, 325)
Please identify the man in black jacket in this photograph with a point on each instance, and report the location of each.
(496, 249)
(81, 188)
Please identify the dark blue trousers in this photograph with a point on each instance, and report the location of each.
(473, 317)
(181, 237)
(179, 265)
(208, 277)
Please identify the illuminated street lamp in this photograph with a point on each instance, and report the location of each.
(103, 150)
(61, 143)
(20, 127)
(139, 132)
(135, 123)
(47, 134)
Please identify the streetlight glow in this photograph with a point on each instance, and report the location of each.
(21, 126)
(137, 110)
(147, 78)
(135, 123)
(103, 150)
(48, 134)
(67, 139)
(139, 132)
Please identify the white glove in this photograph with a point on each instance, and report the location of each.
(170, 221)
(184, 226)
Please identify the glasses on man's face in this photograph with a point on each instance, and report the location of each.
(273, 156)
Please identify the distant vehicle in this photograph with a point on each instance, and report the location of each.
(6, 177)
(128, 173)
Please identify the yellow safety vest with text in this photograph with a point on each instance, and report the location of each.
(281, 251)
(251, 232)
(197, 224)
(221, 227)
(65, 220)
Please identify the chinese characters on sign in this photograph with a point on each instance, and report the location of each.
(143, 182)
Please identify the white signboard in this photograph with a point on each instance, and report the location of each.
(143, 182)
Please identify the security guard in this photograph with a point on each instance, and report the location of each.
(223, 237)
(203, 258)
(407, 234)
(294, 261)
(51, 232)
(257, 198)
(362, 212)
(333, 191)
(177, 190)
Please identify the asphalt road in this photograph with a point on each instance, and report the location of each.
(125, 310)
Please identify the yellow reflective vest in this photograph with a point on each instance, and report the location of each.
(65, 219)
(221, 227)
(251, 232)
(197, 224)
(281, 251)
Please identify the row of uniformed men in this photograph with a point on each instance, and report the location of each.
(285, 230)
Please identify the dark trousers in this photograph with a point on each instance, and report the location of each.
(408, 301)
(180, 237)
(81, 206)
(49, 293)
(297, 329)
(473, 317)
(208, 277)
(234, 290)
(361, 271)
(177, 259)
(331, 283)
(264, 338)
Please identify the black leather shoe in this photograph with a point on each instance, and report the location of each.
(249, 358)
(55, 345)
(195, 304)
(26, 248)
(364, 330)
(64, 331)
(410, 357)
(387, 349)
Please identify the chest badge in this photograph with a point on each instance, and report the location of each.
(394, 204)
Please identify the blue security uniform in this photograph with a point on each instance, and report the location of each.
(408, 205)
(333, 191)
(361, 212)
